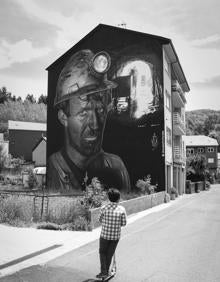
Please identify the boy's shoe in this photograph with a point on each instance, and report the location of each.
(101, 275)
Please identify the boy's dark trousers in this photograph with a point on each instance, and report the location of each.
(106, 252)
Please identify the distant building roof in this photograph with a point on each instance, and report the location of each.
(43, 138)
(23, 125)
(200, 140)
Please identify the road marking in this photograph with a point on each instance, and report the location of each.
(16, 261)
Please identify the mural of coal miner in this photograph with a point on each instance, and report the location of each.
(83, 99)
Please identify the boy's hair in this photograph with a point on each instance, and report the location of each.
(114, 195)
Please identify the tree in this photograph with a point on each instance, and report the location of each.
(30, 98)
(196, 167)
(4, 95)
(209, 123)
(19, 99)
(42, 99)
(199, 129)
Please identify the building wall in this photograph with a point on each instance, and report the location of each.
(135, 137)
(21, 142)
(39, 154)
(4, 145)
(168, 130)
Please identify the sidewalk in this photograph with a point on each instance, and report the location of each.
(24, 247)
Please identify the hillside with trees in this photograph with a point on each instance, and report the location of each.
(14, 108)
(198, 122)
(203, 122)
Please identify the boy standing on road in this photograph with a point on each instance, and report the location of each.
(112, 217)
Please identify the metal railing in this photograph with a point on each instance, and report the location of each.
(177, 120)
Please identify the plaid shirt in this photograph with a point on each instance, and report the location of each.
(112, 217)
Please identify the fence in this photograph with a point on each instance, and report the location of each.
(38, 201)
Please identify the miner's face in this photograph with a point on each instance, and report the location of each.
(86, 122)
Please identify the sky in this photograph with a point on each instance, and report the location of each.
(34, 33)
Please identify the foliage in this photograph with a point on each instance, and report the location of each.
(30, 98)
(2, 158)
(144, 185)
(80, 223)
(94, 195)
(174, 191)
(14, 210)
(64, 213)
(68, 213)
(196, 167)
(4, 94)
(49, 226)
(207, 185)
(32, 179)
(167, 198)
(42, 99)
(22, 111)
(17, 163)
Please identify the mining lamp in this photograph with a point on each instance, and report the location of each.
(100, 63)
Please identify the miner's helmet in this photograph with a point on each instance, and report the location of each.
(84, 73)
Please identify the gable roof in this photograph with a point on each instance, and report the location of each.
(43, 138)
(168, 45)
(200, 140)
(24, 125)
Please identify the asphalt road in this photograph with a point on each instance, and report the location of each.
(178, 244)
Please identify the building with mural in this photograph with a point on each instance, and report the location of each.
(146, 119)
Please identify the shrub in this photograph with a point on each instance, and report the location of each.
(48, 226)
(174, 191)
(196, 167)
(167, 198)
(207, 185)
(94, 195)
(32, 180)
(14, 210)
(17, 164)
(64, 210)
(63, 213)
(144, 185)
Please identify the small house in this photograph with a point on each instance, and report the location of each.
(23, 136)
(39, 152)
(200, 144)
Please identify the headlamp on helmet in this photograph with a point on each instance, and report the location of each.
(84, 74)
(100, 64)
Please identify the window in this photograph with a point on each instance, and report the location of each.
(169, 136)
(190, 151)
(168, 101)
(200, 150)
(210, 150)
(210, 160)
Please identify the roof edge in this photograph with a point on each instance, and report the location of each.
(99, 26)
